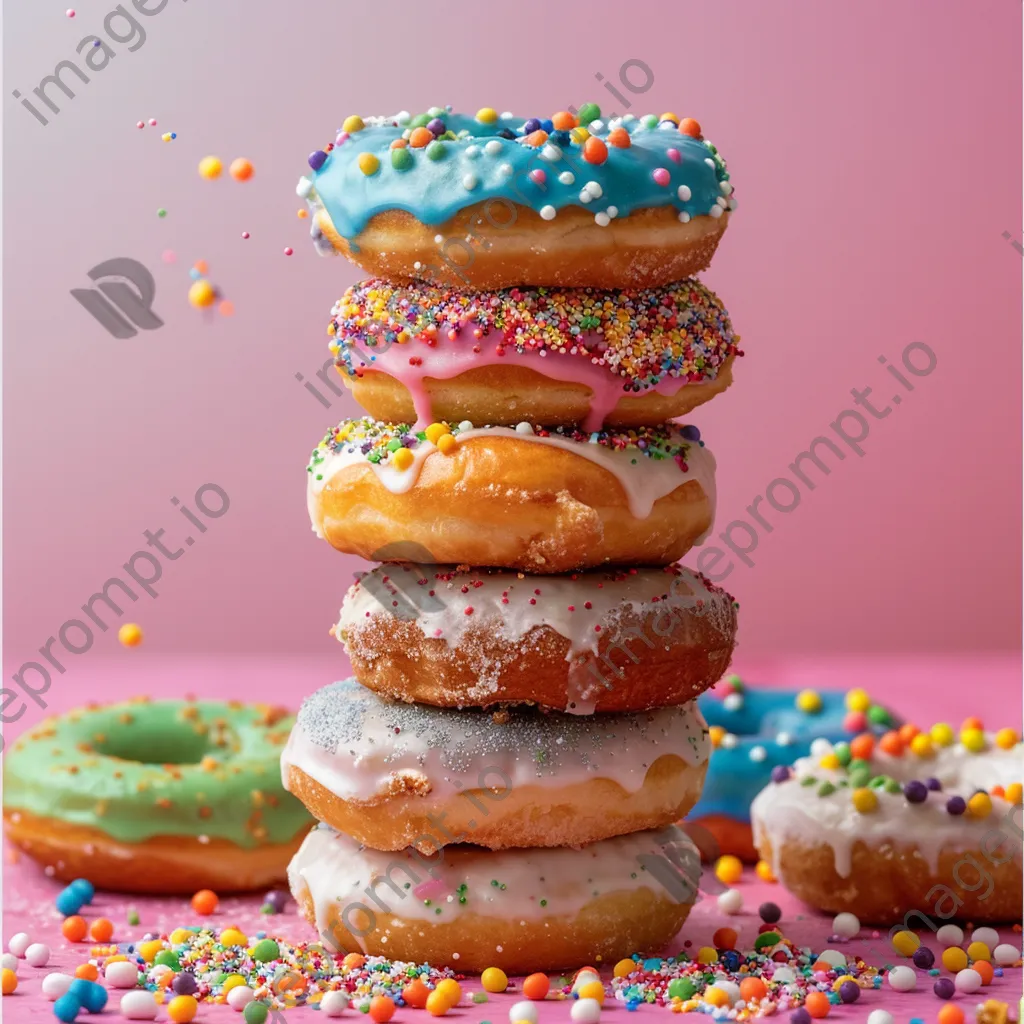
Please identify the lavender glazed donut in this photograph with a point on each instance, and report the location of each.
(620, 358)
(626, 640)
(393, 775)
(532, 499)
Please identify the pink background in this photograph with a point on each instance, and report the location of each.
(875, 146)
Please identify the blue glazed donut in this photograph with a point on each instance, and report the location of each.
(756, 730)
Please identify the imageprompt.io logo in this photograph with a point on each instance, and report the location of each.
(122, 308)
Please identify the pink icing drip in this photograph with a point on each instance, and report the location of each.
(430, 888)
(448, 359)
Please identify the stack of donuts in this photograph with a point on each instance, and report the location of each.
(500, 782)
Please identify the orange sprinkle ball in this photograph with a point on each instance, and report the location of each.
(241, 169)
(892, 744)
(88, 971)
(763, 870)
(536, 986)
(752, 988)
(353, 961)
(420, 137)
(437, 1004)
(690, 127)
(205, 902)
(537, 138)
(908, 732)
(619, 138)
(724, 938)
(595, 151)
(101, 930)
(950, 1014)
(971, 723)
(817, 1004)
(985, 969)
(74, 929)
(415, 994)
(382, 1009)
(862, 746)
(564, 121)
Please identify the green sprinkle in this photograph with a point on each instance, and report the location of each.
(436, 150)
(767, 939)
(649, 120)
(167, 958)
(860, 776)
(826, 789)
(401, 159)
(808, 780)
(133, 916)
(420, 121)
(587, 113)
(878, 715)
(892, 786)
(161, 212)
(479, 997)
(494, 882)
(842, 752)
(543, 903)
(266, 950)
(681, 988)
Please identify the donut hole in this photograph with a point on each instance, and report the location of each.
(176, 742)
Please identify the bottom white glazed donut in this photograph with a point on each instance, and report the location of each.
(918, 826)
(520, 910)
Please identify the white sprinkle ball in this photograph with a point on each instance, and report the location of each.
(684, 217)
(602, 219)
(967, 980)
(55, 985)
(684, 192)
(547, 212)
(758, 753)
(551, 153)
(465, 425)
(1006, 954)
(17, 944)
(733, 702)
(987, 935)
(902, 979)
(730, 901)
(730, 741)
(492, 148)
(950, 935)
(784, 739)
(612, 211)
(833, 957)
(121, 974)
(879, 1017)
(333, 1003)
(585, 1011)
(846, 926)
(524, 1010)
(709, 162)
(241, 996)
(715, 211)
(594, 188)
(784, 975)
(726, 187)
(524, 428)
(9, 962)
(730, 988)
(507, 169)
(567, 177)
(139, 1005)
(470, 182)
(585, 196)
(37, 955)
(472, 152)
(157, 972)
(820, 747)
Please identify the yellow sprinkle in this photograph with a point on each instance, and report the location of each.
(487, 115)
(809, 701)
(829, 761)
(728, 869)
(210, 167)
(402, 459)
(624, 968)
(230, 982)
(707, 955)
(352, 123)
(973, 740)
(980, 805)
(716, 996)
(233, 937)
(435, 430)
(906, 943)
(201, 294)
(764, 871)
(148, 950)
(979, 951)
(1014, 793)
(716, 733)
(1006, 739)
(674, 118)
(368, 164)
(592, 990)
(865, 800)
(579, 135)
(954, 959)
(179, 935)
(130, 634)
(942, 734)
(857, 700)
(447, 443)
(921, 745)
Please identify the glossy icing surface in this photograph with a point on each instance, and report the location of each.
(520, 884)
(155, 768)
(356, 745)
(756, 731)
(816, 805)
(648, 463)
(469, 161)
(618, 343)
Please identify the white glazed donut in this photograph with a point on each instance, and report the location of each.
(520, 910)
(625, 640)
(922, 826)
(394, 775)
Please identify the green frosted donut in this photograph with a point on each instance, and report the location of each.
(146, 768)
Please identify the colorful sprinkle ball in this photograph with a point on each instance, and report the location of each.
(210, 167)
(130, 634)
(70, 12)
(637, 335)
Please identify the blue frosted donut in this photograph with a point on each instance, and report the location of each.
(754, 731)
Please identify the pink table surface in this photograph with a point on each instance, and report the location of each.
(923, 688)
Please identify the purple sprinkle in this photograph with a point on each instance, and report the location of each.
(800, 1016)
(916, 792)
(436, 126)
(944, 988)
(184, 984)
(849, 992)
(531, 125)
(317, 159)
(278, 899)
(690, 433)
(770, 912)
(780, 773)
(956, 805)
(924, 958)
(933, 784)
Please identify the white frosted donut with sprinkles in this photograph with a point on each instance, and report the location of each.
(605, 640)
(518, 910)
(393, 775)
(528, 498)
(919, 823)
(491, 201)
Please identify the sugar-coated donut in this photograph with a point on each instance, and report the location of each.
(394, 775)
(156, 796)
(530, 499)
(490, 202)
(754, 731)
(519, 910)
(605, 640)
(919, 824)
(421, 353)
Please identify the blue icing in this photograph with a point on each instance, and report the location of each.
(733, 779)
(434, 190)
